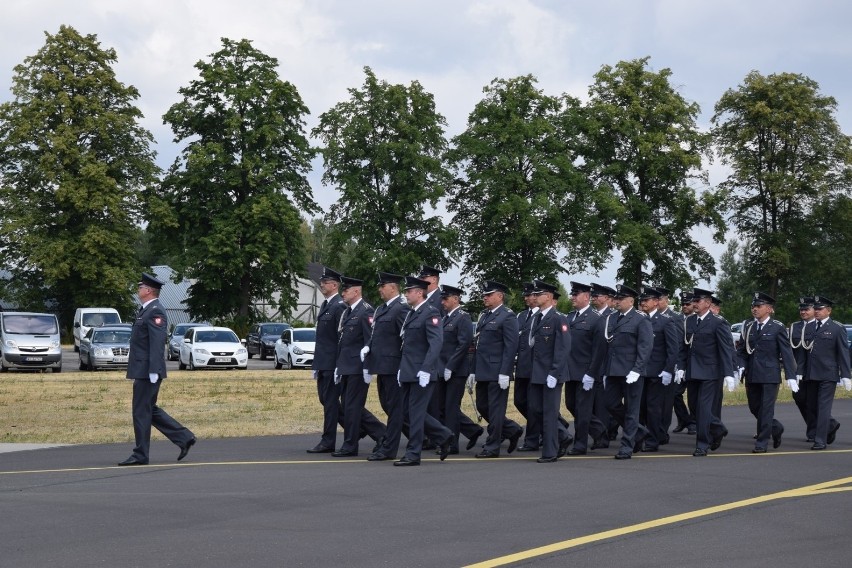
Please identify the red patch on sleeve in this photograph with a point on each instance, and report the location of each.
(564, 327)
(434, 321)
(370, 318)
(159, 321)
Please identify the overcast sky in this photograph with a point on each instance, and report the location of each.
(454, 48)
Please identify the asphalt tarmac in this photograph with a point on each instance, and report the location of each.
(265, 502)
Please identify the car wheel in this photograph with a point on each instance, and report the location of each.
(262, 354)
(250, 355)
(181, 366)
(56, 369)
(278, 364)
(76, 348)
(82, 365)
(288, 362)
(191, 364)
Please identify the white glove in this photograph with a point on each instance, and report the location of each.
(604, 381)
(588, 382)
(632, 377)
(336, 377)
(448, 373)
(398, 380)
(739, 373)
(424, 378)
(679, 376)
(730, 383)
(367, 376)
(551, 382)
(799, 378)
(793, 384)
(503, 381)
(847, 383)
(316, 374)
(667, 378)
(154, 377)
(471, 380)
(364, 351)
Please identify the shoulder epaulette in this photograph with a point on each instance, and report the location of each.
(778, 322)
(509, 310)
(666, 314)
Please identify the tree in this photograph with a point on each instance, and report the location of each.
(643, 150)
(383, 152)
(73, 163)
(519, 199)
(786, 152)
(227, 211)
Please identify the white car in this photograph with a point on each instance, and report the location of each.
(210, 347)
(295, 348)
(736, 332)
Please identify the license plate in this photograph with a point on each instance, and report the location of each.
(33, 358)
(223, 359)
(119, 359)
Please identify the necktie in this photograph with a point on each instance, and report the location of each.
(759, 327)
(618, 319)
(576, 313)
(534, 327)
(819, 325)
(324, 305)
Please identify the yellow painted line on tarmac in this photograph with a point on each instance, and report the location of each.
(806, 491)
(503, 459)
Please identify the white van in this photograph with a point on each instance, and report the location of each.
(29, 341)
(86, 318)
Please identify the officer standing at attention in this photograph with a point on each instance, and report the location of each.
(624, 348)
(381, 358)
(801, 337)
(763, 349)
(823, 364)
(325, 358)
(355, 326)
(705, 360)
(418, 371)
(523, 369)
(550, 342)
(147, 369)
(454, 369)
(660, 369)
(579, 390)
(496, 341)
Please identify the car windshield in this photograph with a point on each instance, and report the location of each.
(306, 335)
(107, 336)
(273, 329)
(94, 320)
(218, 336)
(181, 329)
(30, 324)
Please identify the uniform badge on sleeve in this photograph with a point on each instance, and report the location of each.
(159, 321)
(564, 328)
(370, 319)
(434, 321)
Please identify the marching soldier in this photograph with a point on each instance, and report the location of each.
(550, 342)
(660, 369)
(579, 390)
(822, 364)
(433, 294)
(668, 404)
(705, 360)
(382, 356)
(685, 415)
(350, 373)
(454, 369)
(763, 349)
(418, 372)
(523, 369)
(496, 341)
(625, 345)
(601, 298)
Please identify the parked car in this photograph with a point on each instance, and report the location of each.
(29, 341)
(295, 348)
(736, 332)
(175, 339)
(261, 338)
(208, 346)
(86, 318)
(105, 347)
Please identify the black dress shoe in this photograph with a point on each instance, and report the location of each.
(699, 453)
(623, 455)
(378, 456)
(563, 445)
(379, 444)
(526, 448)
(600, 445)
(691, 430)
(776, 440)
(318, 449)
(405, 461)
(665, 440)
(513, 441)
(809, 440)
(185, 449)
(444, 449)
(717, 440)
(471, 442)
(546, 460)
(641, 434)
(650, 448)
(133, 460)
(832, 433)
(487, 454)
(453, 451)
(679, 428)
(759, 451)
(818, 447)
(344, 454)
(575, 452)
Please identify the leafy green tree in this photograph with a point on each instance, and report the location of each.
(786, 152)
(735, 285)
(383, 151)
(227, 210)
(519, 202)
(643, 150)
(73, 163)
